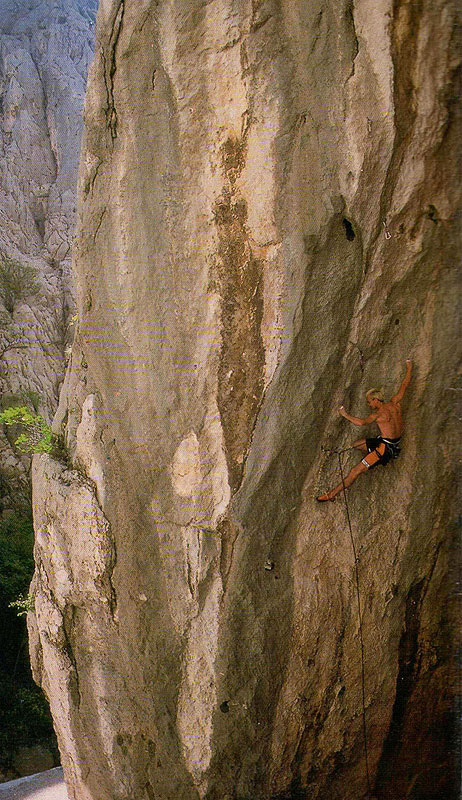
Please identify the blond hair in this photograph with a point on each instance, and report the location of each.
(375, 394)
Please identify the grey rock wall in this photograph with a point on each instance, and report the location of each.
(267, 228)
(45, 52)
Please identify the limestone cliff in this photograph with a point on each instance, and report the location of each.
(45, 52)
(267, 228)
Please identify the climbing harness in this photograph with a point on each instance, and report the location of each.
(393, 446)
(339, 453)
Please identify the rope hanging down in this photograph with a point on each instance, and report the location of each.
(356, 560)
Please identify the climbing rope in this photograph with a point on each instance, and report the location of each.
(345, 450)
(361, 639)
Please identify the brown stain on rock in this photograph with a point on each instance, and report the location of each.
(242, 357)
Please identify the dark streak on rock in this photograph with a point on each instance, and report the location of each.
(408, 652)
(349, 15)
(409, 661)
(110, 572)
(349, 230)
(109, 69)
(73, 678)
(91, 178)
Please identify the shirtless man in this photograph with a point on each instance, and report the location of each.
(379, 449)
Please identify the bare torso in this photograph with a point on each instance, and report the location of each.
(389, 420)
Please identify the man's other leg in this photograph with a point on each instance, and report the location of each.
(350, 478)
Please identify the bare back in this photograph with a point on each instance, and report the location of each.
(389, 420)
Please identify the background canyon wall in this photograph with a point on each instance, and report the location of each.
(267, 228)
(45, 52)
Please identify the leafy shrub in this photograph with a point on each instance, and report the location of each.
(36, 434)
(16, 281)
(23, 604)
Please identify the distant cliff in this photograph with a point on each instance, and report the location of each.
(267, 228)
(45, 52)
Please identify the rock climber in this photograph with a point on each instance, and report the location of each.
(380, 449)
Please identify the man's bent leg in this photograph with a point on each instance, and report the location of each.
(360, 445)
(350, 478)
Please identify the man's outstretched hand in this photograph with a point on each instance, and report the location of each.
(342, 411)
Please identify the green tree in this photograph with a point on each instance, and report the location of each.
(36, 435)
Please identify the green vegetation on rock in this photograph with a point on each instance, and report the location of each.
(23, 604)
(36, 435)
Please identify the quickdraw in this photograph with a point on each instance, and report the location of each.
(387, 232)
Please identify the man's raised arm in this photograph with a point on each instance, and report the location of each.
(407, 379)
(356, 420)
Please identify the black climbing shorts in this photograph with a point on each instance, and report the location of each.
(380, 452)
(373, 443)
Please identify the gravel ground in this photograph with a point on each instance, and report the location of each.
(44, 786)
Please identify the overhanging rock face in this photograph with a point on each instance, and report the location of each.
(267, 226)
